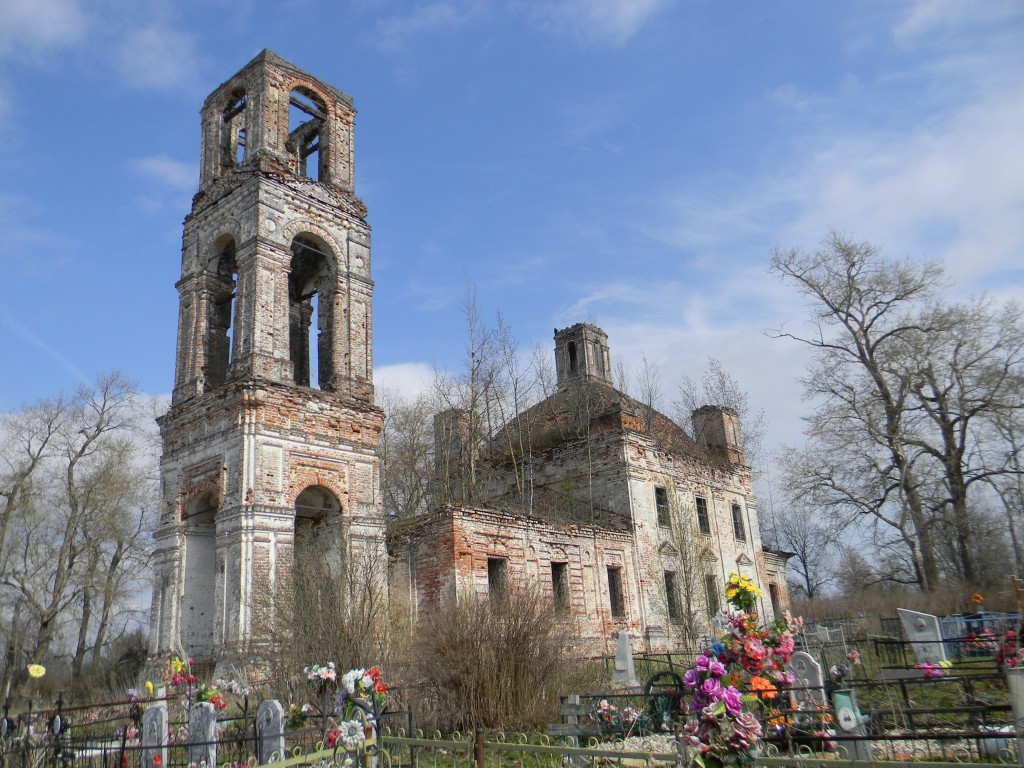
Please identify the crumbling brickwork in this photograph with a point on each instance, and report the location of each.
(272, 425)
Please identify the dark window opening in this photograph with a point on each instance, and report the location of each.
(711, 594)
(703, 521)
(310, 324)
(598, 358)
(737, 523)
(773, 594)
(661, 504)
(307, 119)
(496, 576)
(572, 356)
(615, 600)
(672, 595)
(233, 131)
(223, 273)
(560, 586)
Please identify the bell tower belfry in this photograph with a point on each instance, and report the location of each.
(270, 443)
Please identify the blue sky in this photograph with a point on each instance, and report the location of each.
(631, 163)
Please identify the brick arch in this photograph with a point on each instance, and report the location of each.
(308, 88)
(211, 248)
(307, 478)
(193, 489)
(296, 227)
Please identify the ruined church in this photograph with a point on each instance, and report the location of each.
(270, 443)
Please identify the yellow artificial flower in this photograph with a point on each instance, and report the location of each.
(149, 687)
(36, 670)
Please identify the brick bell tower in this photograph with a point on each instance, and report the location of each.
(270, 443)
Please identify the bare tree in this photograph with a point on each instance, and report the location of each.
(76, 484)
(862, 306)
(406, 453)
(814, 543)
(904, 385)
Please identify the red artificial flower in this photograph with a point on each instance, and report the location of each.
(380, 688)
(157, 760)
(332, 738)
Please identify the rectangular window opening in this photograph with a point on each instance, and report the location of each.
(497, 568)
(711, 595)
(737, 523)
(703, 521)
(661, 504)
(773, 594)
(672, 595)
(615, 592)
(560, 586)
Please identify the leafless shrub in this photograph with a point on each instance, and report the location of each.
(493, 662)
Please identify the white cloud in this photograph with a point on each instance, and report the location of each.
(157, 56)
(601, 22)
(952, 189)
(931, 19)
(173, 173)
(395, 32)
(407, 379)
(39, 25)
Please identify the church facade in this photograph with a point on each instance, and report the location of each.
(610, 511)
(270, 443)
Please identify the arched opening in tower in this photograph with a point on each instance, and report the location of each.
(310, 316)
(318, 561)
(223, 274)
(307, 118)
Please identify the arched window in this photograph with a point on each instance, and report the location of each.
(222, 273)
(310, 295)
(233, 132)
(198, 601)
(307, 121)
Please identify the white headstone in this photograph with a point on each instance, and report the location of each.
(624, 670)
(269, 732)
(154, 734)
(202, 735)
(922, 630)
(810, 683)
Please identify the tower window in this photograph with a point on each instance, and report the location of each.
(573, 362)
(703, 521)
(497, 568)
(233, 131)
(307, 119)
(560, 586)
(738, 531)
(310, 319)
(615, 600)
(661, 504)
(221, 275)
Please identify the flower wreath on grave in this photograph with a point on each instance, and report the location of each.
(720, 723)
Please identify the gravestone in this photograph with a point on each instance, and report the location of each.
(154, 734)
(624, 670)
(922, 630)
(850, 722)
(269, 731)
(202, 735)
(810, 683)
